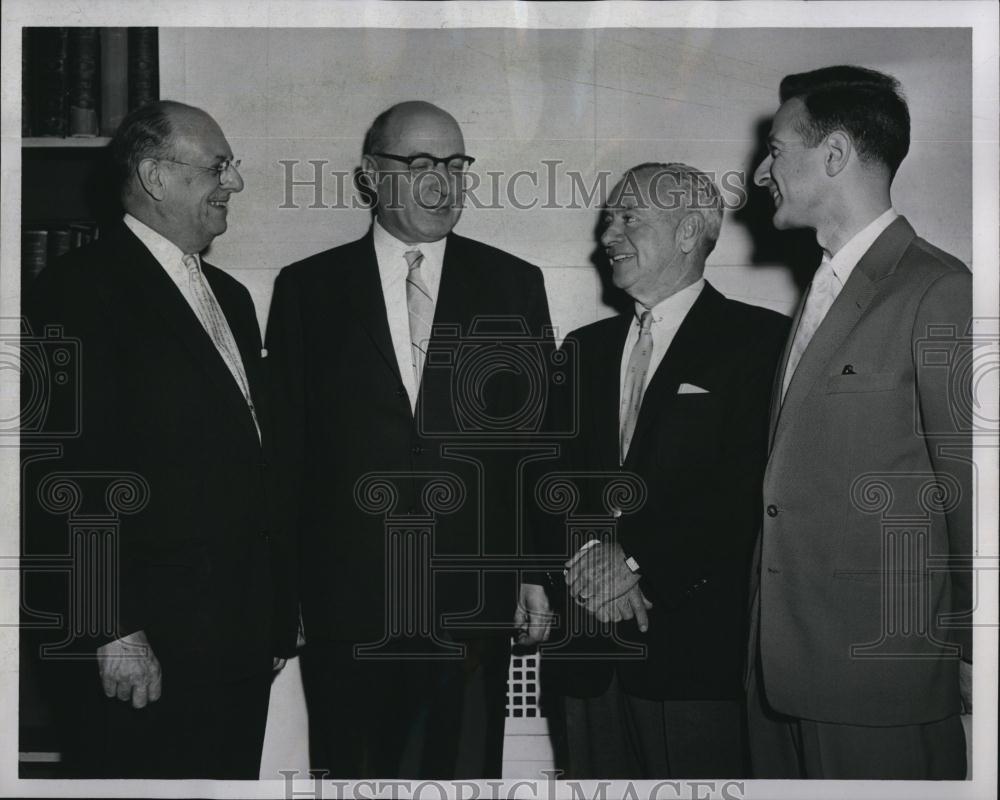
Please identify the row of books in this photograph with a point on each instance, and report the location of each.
(42, 244)
(82, 81)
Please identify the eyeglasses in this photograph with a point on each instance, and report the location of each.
(219, 169)
(425, 162)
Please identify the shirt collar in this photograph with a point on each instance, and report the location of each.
(847, 257)
(169, 255)
(673, 309)
(393, 248)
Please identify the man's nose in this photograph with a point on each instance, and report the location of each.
(232, 180)
(762, 175)
(610, 234)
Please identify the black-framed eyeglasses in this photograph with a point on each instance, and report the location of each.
(456, 163)
(219, 169)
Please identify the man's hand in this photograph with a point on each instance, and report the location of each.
(965, 685)
(277, 664)
(129, 669)
(533, 617)
(598, 574)
(631, 605)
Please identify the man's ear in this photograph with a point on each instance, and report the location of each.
(690, 231)
(368, 173)
(151, 178)
(838, 152)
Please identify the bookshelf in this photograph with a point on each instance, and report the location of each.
(77, 84)
(67, 195)
(65, 141)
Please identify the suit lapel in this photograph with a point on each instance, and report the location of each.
(248, 343)
(363, 288)
(690, 341)
(137, 267)
(850, 306)
(605, 389)
(453, 319)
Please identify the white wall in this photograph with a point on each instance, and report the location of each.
(596, 99)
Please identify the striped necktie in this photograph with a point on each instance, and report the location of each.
(421, 308)
(207, 309)
(635, 379)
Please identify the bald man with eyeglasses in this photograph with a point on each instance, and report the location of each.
(381, 349)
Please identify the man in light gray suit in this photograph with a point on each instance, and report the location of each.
(857, 651)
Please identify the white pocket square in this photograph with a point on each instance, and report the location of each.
(690, 388)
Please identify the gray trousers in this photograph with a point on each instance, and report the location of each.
(788, 747)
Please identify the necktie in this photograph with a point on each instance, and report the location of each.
(207, 309)
(822, 293)
(635, 379)
(421, 308)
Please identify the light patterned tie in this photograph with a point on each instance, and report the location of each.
(421, 308)
(635, 379)
(207, 309)
(822, 292)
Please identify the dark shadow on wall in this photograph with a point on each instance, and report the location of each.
(795, 250)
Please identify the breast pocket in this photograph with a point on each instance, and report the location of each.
(862, 382)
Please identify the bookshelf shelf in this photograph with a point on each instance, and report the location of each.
(58, 141)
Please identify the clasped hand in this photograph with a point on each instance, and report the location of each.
(599, 579)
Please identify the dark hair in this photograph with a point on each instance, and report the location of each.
(145, 132)
(868, 105)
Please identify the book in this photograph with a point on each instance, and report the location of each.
(49, 53)
(34, 251)
(60, 242)
(143, 67)
(114, 78)
(83, 80)
(26, 92)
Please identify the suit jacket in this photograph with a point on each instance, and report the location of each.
(857, 446)
(700, 456)
(201, 566)
(347, 422)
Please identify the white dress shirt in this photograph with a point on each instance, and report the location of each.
(169, 256)
(392, 270)
(667, 318)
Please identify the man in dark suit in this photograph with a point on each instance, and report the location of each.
(410, 362)
(174, 419)
(859, 652)
(675, 396)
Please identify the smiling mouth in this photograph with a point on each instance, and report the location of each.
(615, 259)
(219, 203)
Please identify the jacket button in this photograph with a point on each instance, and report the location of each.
(265, 536)
(772, 511)
(401, 391)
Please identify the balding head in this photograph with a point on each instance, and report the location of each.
(414, 206)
